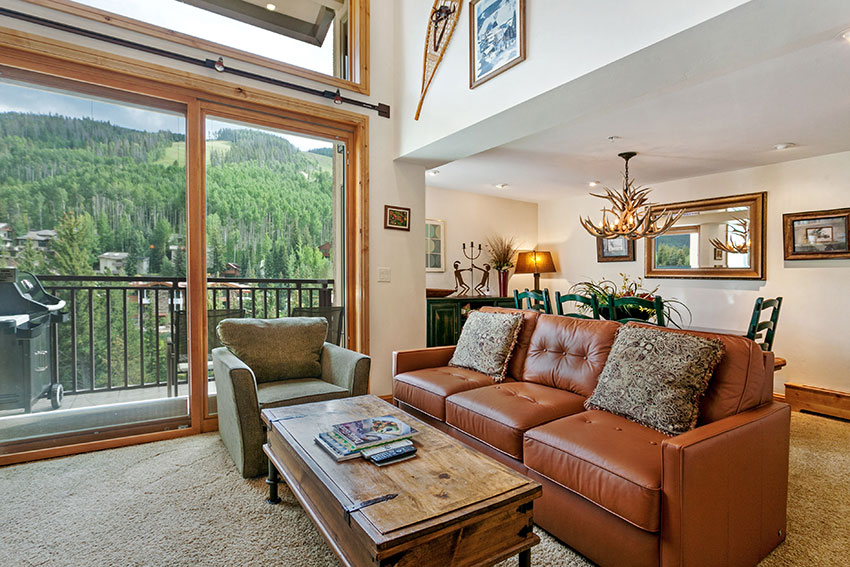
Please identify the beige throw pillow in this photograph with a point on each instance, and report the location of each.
(276, 349)
(486, 343)
(656, 377)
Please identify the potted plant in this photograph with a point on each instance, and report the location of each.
(502, 251)
(630, 288)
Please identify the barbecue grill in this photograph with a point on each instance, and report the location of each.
(27, 359)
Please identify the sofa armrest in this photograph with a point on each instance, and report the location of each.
(725, 487)
(239, 421)
(346, 368)
(417, 359)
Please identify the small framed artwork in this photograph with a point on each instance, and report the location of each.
(496, 38)
(718, 254)
(435, 245)
(397, 218)
(816, 235)
(619, 249)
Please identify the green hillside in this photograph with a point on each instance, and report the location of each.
(269, 206)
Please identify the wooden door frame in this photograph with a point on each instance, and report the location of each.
(55, 58)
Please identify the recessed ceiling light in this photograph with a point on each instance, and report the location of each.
(502, 186)
(846, 36)
(594, 183)
(270, 7)
(432, 172)
(784, 146)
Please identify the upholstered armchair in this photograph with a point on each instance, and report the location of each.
(269, 363)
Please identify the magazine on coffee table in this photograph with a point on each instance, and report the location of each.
(372, 431)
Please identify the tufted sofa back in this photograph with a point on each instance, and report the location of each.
(568, 353)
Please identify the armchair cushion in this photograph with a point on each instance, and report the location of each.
(277, 349)
(297, 391)
(656, 378)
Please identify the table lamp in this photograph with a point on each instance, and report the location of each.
(535, 262)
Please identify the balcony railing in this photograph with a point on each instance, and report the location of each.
(119, 327)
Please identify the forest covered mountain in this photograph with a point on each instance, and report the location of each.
(113, 189)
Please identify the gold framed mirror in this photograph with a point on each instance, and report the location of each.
(718, 238)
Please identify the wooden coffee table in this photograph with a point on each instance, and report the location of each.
(448, 506)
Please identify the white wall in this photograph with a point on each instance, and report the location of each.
(396, 183)
(470, 217)
(565, 40)
(812, 331)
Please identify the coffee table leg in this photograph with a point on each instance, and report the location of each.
(272, 481)
(525, 558)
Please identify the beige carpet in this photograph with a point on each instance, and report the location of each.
(181, 502)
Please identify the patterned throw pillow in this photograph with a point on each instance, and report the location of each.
(486, 343)
(656, 377)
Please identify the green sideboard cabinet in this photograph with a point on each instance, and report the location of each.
(446, 315)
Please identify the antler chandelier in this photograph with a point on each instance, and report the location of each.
(630, 214)
(741, 236)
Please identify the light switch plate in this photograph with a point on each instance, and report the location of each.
(384, 274)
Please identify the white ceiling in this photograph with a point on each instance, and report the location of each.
(683, 126)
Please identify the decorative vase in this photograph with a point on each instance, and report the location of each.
(503, 283)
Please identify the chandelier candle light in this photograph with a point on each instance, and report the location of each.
(630, 214)
(740, 233)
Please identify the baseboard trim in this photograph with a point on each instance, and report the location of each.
(777, 397)
(818, 400)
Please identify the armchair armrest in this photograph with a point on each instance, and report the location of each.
(725, 488)
(346, 368)
(417, 359)
(239, 412)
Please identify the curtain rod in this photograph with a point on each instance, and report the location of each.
(383, 110)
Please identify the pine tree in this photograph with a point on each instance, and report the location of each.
(74, 245)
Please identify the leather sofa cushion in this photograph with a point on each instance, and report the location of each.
(569, 353)
(738, 381)
(427, 389)
(499, 415)
(607, 459)
(516, 363)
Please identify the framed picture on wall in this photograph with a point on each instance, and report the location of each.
(435, 245)
(816, 235)
(397, 218)
(619, 249)
(496, 38)
(718, 254)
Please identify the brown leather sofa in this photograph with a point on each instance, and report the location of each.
(618, 492)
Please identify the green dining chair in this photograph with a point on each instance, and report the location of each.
(763, 331)
(534, 301)
(591, 302)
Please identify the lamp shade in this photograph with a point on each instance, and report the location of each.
(535, 262)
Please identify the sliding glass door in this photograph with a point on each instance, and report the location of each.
(274, 225)
(92, 206)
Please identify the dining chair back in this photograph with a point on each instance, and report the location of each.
(628, 305)
(534, 300)
(763, 331)
(591, 302)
